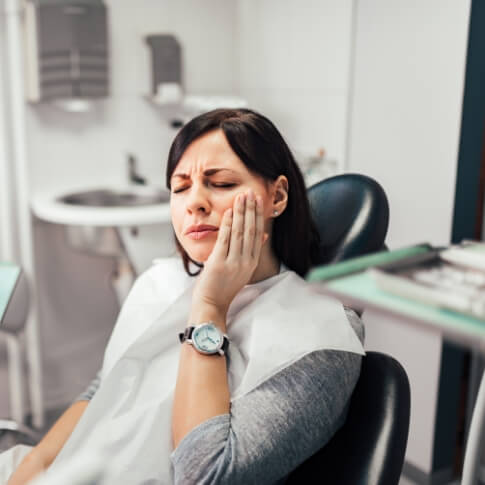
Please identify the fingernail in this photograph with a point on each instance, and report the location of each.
(259, 201)
(250, 195)
(242, 198)
(229, 212)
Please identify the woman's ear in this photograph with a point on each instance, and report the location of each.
(280, 195)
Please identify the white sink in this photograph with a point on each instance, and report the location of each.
(130, 223)
(98, 206)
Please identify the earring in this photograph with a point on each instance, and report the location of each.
(275, 213)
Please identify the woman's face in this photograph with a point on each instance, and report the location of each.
(204, 184)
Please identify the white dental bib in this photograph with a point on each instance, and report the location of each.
(270, 325)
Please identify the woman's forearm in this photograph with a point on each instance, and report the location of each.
(202, 390)
(44, 453)
(51, 444)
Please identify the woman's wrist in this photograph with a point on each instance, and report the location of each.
(203, 313)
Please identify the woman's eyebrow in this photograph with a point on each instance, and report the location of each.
(208, 172)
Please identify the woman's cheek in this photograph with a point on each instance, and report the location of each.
(176, 222)
(233, 196)
(225, 203)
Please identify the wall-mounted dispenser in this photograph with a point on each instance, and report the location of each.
(167, 89)
(166, 68)
(67, 52)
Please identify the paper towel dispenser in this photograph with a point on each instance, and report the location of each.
(67, 50)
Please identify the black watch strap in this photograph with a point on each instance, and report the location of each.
(225, 344)
(186, 334)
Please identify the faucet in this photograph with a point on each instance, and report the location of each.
(133, 176)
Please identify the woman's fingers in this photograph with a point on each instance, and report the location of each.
(247, 231)
(237, 233)
(259, 238)
(249, 225)
(221, 247)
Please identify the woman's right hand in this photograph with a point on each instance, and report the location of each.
(234, 258)
(31, 466)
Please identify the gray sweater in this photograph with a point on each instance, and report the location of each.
(273, 428)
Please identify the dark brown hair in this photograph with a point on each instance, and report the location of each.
(262, 149)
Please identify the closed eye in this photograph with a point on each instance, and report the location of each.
(176, 191)
(223, 185)
(217, 185)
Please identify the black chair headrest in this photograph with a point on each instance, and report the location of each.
(351, 212)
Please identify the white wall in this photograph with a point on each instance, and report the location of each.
(77, 306)
(408, 88)
(68, 148)
(405, 127)
(294, 60)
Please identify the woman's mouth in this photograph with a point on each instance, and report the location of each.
(201, 231)
(201, 234)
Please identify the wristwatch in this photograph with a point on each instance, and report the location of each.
(206, 338)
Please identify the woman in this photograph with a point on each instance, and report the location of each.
(261, 385)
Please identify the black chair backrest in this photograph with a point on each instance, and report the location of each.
(369, 449)
(352, 215)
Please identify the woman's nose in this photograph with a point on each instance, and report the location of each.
(198, 200)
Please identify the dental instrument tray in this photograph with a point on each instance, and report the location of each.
(451, 279)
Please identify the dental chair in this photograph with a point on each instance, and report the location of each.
(352, 214)
(14, 307)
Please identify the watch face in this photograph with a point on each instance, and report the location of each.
(207, 338)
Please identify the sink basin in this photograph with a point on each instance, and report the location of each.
(108, 206)
(117, 198)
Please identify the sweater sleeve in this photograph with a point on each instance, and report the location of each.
(275, 427)
(90, 391)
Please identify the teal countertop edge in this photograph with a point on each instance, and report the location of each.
(336, 270)
(362, 288)
(349, 282)
(9, 274)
